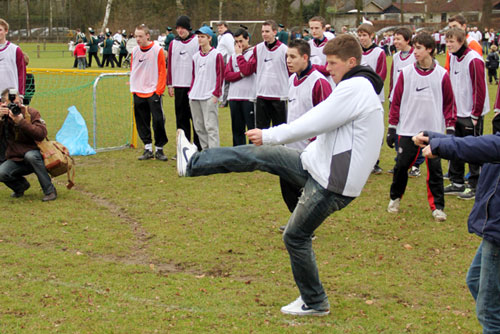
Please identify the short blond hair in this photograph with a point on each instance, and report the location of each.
(4, 24)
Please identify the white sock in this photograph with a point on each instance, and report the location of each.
(148, 147)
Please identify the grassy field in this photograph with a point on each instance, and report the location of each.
(135, 249)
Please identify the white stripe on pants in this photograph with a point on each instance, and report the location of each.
(205, 115)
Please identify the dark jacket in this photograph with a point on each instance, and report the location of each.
(492, 60)
(484, 219)
(21, 138)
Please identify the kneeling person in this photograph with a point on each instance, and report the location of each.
(333, 169)
(21, 131)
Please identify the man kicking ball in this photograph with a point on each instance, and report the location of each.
(332, 170)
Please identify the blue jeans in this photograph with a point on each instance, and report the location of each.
(483, 280)
(315, 204)
(12, 173)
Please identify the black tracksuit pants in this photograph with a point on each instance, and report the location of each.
(464, 127)
(94, 55)
(407, 155)
(183, 116)
(144, 108)
(268, 111)
(242, 118)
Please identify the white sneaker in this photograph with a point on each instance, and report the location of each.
(185, 151)
(298, 307)
(393, 206)
(439, 215)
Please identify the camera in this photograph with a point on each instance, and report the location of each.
(13, 107)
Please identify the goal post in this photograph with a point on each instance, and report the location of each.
(103, 99)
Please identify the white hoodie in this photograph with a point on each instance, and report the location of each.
(349, 126)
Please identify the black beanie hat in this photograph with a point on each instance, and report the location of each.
(183, 21)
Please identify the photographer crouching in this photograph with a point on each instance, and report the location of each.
(19, 131)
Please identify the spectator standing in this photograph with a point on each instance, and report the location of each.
(422, 99)
(12, 66)
(80, 54)
(492, 62)
(206, 89)
(123, 48)
(485, 41)
(282, 35)
(242, 92)
(468, 79)
(180, 74)
(269, 63)
(107, 52)
(170, 38)
(93, 45)
(147, 84)
(225, 46)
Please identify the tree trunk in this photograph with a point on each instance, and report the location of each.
(179, 6)
(106, 15)
(359, 8)
(50, 18)
(486, 17)
(221, 2)
(402, 12)
(322, 8)
(28, 27)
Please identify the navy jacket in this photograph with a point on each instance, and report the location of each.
(484, 219)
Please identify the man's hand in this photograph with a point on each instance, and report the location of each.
(17, 119)
(171, 91)
(237, 49)
(427, 152)
(215, 99)
(3, 110)
(474, 121)
(391, 137)
(255, 135)
(420, 140)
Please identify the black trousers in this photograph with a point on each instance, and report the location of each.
(492, 74)
(122, 56)
(183, 116)
(242, 118)
(144, 108)
(407, 155)
(107, 59)
(464, 127)
(94, 55)
(268, 111)
(290, 193)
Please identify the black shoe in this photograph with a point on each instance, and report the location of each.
(454, 189)
(20, 193)
(377, 170)
(160, 156)
(146, 155)
(50, 197)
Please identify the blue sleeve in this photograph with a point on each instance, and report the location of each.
(477, 150)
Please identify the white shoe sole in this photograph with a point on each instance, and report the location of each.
(181, 164)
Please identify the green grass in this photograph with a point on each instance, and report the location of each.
(135, 249)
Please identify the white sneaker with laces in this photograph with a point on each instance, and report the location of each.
(439, 215)
(393, 206)
(298, 307)
(185, 151)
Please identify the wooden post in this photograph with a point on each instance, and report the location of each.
(38, 50)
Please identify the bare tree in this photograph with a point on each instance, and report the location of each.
(221, 2)
(486, 17)
(28, 28)
(179, 6)
(402, 12)
(50, 18)
(106, 15)
(359, 8)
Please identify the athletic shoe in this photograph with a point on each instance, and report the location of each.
(414, 172)
(377, 170)
(393, 206)
(390, 171)
(159, 155)
(454, 189)
(146, 155)
(185, 151)
(21, 193)
(298, 307)
(439, 215)
(468, 194)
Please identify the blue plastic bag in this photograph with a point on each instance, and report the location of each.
(74, 134)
